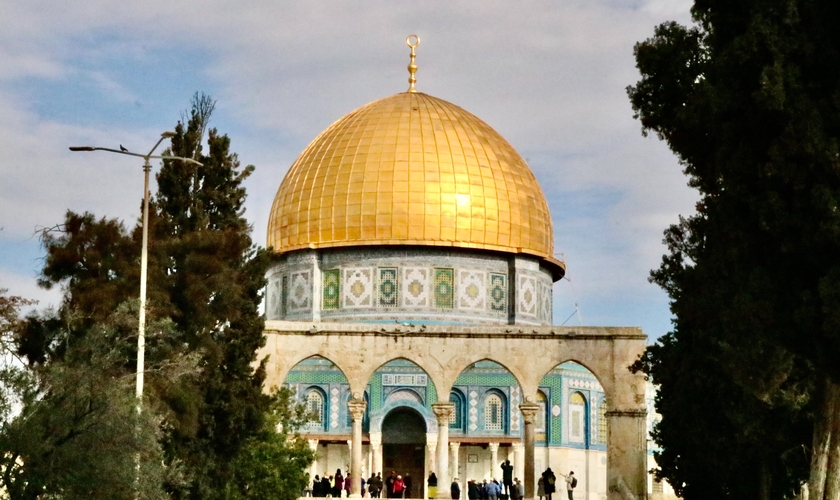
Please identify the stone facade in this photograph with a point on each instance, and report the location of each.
(585, 411)
(409, 284)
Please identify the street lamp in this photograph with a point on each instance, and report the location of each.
(147, 167)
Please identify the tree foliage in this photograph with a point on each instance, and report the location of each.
(205, 281)
(747, 99)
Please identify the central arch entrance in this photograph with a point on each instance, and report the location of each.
(404, 447)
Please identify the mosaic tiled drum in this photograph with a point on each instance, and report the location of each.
(411, 208)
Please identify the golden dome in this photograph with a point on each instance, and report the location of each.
(411, 169)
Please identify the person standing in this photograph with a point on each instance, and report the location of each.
(338, 486)
(399, 487)
(407, 483)
(514, 491)
(571, 484)
(541, 487)
(455, 489)
(432, 482)
(549, 480)
(520, 489)
(389, 484)
(507, 477)
(472, 490)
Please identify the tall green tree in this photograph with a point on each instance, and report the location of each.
(206, 278)
(749, 100)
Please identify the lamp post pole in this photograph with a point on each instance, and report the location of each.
(144, 253)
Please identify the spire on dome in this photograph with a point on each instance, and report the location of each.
(412, 67)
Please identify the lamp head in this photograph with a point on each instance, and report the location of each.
(81, 148)
(167, 135)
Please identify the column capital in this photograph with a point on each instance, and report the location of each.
(494, 447)
(517, 446)
(313, 443)
(529, 412)
(454, 445)
(431, 439)
(375, 438)
(357, 408)
(443, 411)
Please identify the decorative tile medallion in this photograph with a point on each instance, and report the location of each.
(444, 293)
(415, 287)
(527, 300)
(472, 289)
(358, 287)
(331, 289)
(498, 292)
(388, 287)
(545, 302)
(300, 298)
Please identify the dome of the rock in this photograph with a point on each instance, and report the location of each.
(412, 169)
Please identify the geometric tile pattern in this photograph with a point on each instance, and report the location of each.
(274, 300)
(388, 295)
(498, 292)
(527, 300)
(444, 293)
(358, 287)
(472, 289)
(334, 407)
(331, 289)
(515, 395)
(415, 287)
(284, 296)
(473, 410)
(300, 298)
(545, 302)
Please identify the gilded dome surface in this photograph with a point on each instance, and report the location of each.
(411, 169)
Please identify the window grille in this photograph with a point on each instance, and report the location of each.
(493, 413)
(602, 422)
(315, 408)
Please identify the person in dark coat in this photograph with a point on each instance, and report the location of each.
(325, 485)
(407, 486)
(549, 480)
(507, 476)
(339, 484)
(455, 489)
(472, 490)
(389, 484)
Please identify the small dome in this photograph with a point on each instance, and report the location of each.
(412, 169)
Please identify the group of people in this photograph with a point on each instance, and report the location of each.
(546, 485)
(394, 486)
(397, 486)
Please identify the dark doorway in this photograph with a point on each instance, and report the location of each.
(404, 447)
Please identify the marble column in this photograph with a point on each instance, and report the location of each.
(529, 415)
(431, 453)
(494, 460)
(313, 470)
(442, 412)
(454, 447)
(518, 460)
(357, 412)
(376, 446)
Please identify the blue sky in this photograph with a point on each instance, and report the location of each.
(548, 75)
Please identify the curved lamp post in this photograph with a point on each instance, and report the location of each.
(141, 331)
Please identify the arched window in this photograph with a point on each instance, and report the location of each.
(577, 418)
(457, 415)
(315, 408)
(493, 413)
(602, 422)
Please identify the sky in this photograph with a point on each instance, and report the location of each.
(549, 76)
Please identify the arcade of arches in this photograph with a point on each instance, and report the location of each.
(542, 397)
